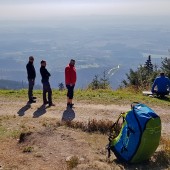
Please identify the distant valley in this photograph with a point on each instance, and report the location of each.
(97, 45)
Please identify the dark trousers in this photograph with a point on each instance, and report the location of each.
(30, 88)
(70, 91)
(47, 89)
(161, 94)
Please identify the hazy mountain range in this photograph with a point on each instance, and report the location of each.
(113, 44)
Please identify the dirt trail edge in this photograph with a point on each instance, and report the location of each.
(82, 112)
(58, 147)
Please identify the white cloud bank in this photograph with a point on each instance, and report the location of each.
(37, 9)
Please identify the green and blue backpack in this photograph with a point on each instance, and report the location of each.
(137, 137)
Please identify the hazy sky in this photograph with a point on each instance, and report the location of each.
(40, 9)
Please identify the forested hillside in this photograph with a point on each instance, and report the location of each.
(10, 84)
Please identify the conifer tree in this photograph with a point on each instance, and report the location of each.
(166, 66)
(143, 77)
(104, 81)
(61, 86)
(95, 84)
(149, 65)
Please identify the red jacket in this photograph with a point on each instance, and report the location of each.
(70, 75)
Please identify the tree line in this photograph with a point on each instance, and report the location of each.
(140, 79)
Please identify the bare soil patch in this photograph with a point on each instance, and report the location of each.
(49, 146)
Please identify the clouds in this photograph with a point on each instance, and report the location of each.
(39, 9)
(77, 1)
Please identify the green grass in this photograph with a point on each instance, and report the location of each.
(120, 96)
(12, 127)
(28, 149)
(6, 133)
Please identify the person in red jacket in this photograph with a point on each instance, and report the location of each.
(70, 81)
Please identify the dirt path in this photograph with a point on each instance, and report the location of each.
(52, 146)
(82, 112)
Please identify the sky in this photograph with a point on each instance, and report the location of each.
(41, 9)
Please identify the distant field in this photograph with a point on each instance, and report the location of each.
(96, 43)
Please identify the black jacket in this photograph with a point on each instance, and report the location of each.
(31, 74)
(45, 74)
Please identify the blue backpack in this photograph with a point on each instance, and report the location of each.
(138, 135)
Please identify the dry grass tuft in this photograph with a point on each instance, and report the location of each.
(102, 126)
(166, 145)
(73, 162)
(164, 156)
(28, 149)
(23, 136)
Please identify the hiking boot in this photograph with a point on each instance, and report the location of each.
(71, 105)
(32, 101)
(68, 105)
(51, 104)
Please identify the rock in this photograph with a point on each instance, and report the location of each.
(81, 160)
(69, 158)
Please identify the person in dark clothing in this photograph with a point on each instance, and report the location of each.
(163, 84)
(70, 81)
(31, 74)
(46, 85)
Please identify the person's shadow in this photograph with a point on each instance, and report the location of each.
(68, 115)
(40, 111)
(22, 111)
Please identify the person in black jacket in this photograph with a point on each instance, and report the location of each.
(31, 74)
(46, 85)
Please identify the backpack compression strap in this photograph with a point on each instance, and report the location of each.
(114, 132)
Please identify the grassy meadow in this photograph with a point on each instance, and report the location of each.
(120, 96)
